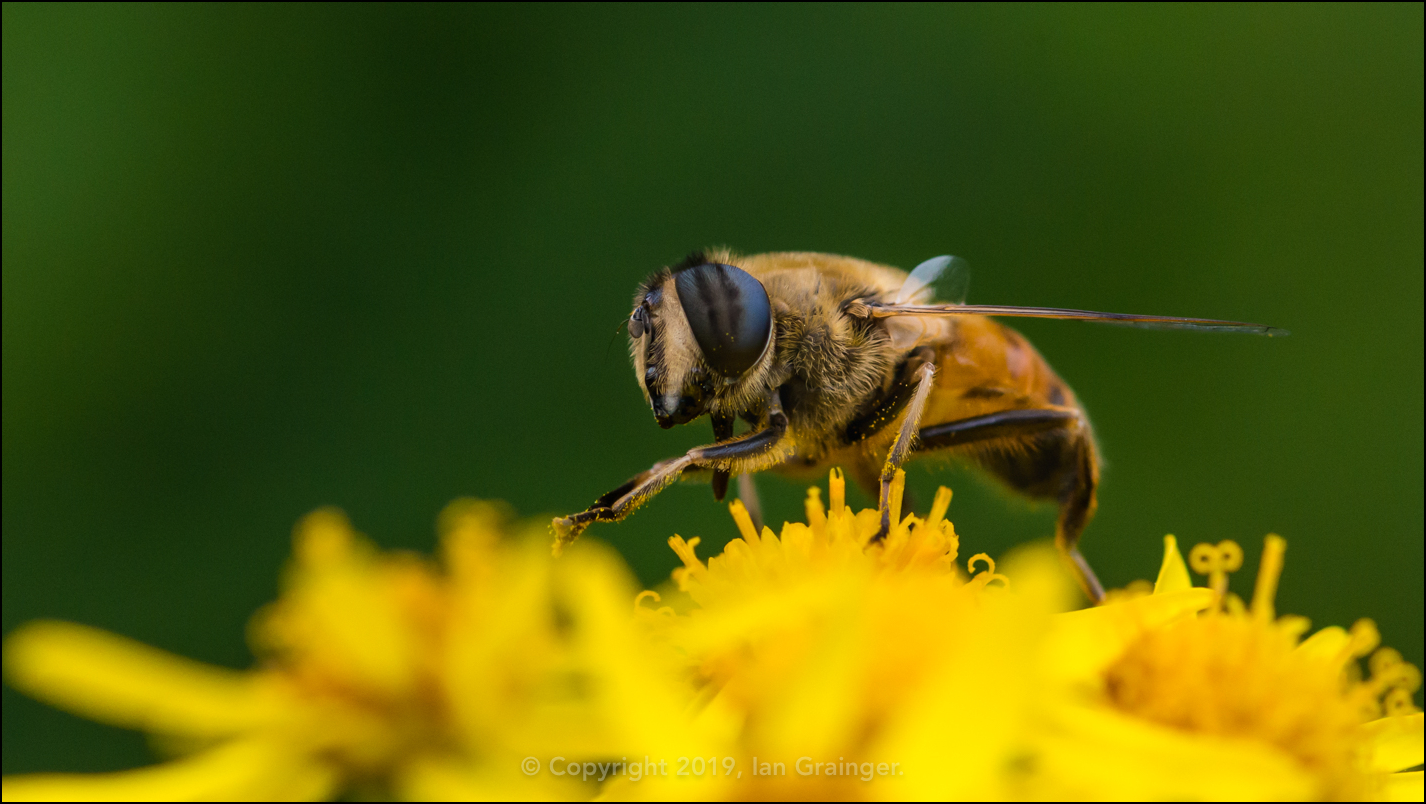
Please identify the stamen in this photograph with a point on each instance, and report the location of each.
(1232, 555)
(1390, 671)
(323, 538)
(994, 577)
(1398, 702)
(1216, 561)
(1294, 625)
(1269, 570)
(939, 506)
(1244, 673)
(1234, 605)
(816, 514)
(990, 563)
(837, 492)
(684, 550)
(1365, 638)
(898, 489)
(984, 579)
(745, 522)
(1384, 662)
(661, 611)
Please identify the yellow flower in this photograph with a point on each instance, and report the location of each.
(850, 669)
(382, 674)
(811, 663)
(847, 657)
(1229, 703)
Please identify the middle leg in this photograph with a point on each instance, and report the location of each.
(901, 447)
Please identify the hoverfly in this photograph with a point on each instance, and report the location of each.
(836, 361)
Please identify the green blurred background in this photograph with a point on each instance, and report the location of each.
(262, 259)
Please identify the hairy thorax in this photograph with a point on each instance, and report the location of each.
(830, 364)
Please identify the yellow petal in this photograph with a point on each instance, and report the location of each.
(347, 613)
(956, 738)
(631, 703)
(816, 713)
(1395, 743)
(1081, 643)
(1173, 574)
(242, 770)
(451, 779)
(1097, 753)
(116, 680)
(546, 659)
(1403, 787)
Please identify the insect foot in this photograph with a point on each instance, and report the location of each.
(566, 531)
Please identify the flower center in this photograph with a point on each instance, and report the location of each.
(1237, 672)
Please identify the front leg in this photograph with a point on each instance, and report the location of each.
(722, 431)
(724, 456)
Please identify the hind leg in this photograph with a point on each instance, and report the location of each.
(1077, 504)
(1043, 453)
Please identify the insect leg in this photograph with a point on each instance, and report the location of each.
(748, 493)
(722, 431)
(1004, 424)
(625, 499)
(1044, 453)
(1077, 504)
(901, 447)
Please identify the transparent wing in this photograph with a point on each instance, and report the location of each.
(944, 278)
(1125, 319)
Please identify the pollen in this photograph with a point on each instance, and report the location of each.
(834, 539)
(1239, 672)
(822, 640)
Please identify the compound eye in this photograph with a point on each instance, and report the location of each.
(729, 313)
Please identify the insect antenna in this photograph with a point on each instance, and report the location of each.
(596, 366)
(621, 326)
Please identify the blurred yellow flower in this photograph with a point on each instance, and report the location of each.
(810, 663)
(1227, 704)
(853, 669)
(888, 674)
(381, 675)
